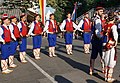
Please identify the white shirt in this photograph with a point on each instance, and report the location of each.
(11, 31)
(2, 32)
(98, 27)
(115, 33)
(32, 28)
(20, 26)
(11, 27)
(81, 23)
(62, 26)
(47, 24)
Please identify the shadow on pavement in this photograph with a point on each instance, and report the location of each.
(63, 46)
(77, 65)
(116, 82)
(59, 47)
(78, 50)
(45, 51)
(60, 42)
(30, 53)
(79, 46)
(91, 81)
(17, 56)
(98, 76)
(74, 64)
(61, 79)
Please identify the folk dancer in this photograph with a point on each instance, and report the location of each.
(96, 39)
(110, 48)
(68, 26)
(103, 22)
(5, 39)
(51, 28)
(15, 31)
(23, 33)
(36, 31)
(0, 26)
(85, 25)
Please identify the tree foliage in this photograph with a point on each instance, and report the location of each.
(64, 6)
(61, 6)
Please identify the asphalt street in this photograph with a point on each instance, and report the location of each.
(61, 69)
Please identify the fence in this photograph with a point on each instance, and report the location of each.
(91, 12)
(17, 12)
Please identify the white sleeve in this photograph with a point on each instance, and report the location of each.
(11, 28)
(13, 37)
(62, 26)
(46, 26)
(1, 33)
(11, 31)
(80, 24)
(19, 26)
(98, 27)
(75, 26)
(31, 29)
(115, 33)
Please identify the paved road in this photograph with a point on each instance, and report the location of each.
(61, 69)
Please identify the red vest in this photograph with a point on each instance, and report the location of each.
(51, 28)
(16, 31)
(6, 34)
(37, 28)
(69, 26)
(109, 31)
(87, 26)
(103, 23)
(24, 29)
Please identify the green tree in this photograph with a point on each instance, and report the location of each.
(62, 7)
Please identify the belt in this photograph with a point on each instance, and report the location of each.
(24, 37)
(18, 39)
(52, 33)
(68, 32)
(5, 42)
(86, 32)
(38, 34)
